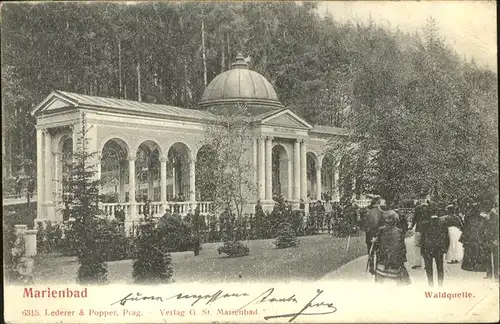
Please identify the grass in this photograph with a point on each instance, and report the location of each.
(313, 258)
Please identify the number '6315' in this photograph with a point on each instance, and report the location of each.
(30, 312)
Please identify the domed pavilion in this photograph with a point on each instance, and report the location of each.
(149, 151)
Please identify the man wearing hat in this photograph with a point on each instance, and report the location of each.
(372, 221)
(434, 244)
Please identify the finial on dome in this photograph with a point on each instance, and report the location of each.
(239, 62)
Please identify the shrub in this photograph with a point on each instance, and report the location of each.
(53, 234)
(234, 249)
(213, 233)
(68, 242)
(153, 263)
(109, 240)
(175, 234)
(286, 237)
(12, 253)
(297, 222)
(112, 242)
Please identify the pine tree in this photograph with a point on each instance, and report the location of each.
(286, 237)
(82, 187)
(153, 263)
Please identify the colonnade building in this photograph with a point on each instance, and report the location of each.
(151, 150)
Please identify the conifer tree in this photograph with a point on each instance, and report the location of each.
(286, 237)
(82, 188)
(153, 263)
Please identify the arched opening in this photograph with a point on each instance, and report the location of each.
(178, 172)
(206, 186)
(312, 163)
(147, 172)
(328, 180)
(280, 181)
(114, 171)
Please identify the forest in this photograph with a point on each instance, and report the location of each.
(428, 113)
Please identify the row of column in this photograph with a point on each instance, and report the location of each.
(163, 179)
(49, 164)
(297, 170)
(297, 179)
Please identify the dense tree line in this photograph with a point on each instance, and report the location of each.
(408, 97)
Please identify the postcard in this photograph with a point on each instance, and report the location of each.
(250, 162)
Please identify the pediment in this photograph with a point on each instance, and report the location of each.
(53, 102)
(57, 104)
(286, 119)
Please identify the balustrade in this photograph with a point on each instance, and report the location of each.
(156, 208)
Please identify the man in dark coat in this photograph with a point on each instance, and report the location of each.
(18, 187)
(120, 214)
(372, 222)
(31, 188)
(474, 240)
(492, 235)
(258, 208)
(434, 244)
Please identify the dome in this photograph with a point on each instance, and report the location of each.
(240, 85)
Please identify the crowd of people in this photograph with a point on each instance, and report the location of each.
(461, 232)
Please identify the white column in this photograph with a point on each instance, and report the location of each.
(303, 170)
(255, 164)
(174, 193)
(269, 168)
(163, 180)
(39, 174)
(122, 182)
(131, 188)
(318, 179)
(98, 168)
(192, 178)
(296, 170)
(290, 179)
(49, 178)
(262, 164)
(49, 167)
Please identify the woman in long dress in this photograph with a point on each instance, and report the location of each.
(454, 222)
(390, 251)
(474, 241)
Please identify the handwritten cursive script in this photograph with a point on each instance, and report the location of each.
(328, 308)
(321, 307)
(196, 297)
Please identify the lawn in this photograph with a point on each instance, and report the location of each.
(315, 257)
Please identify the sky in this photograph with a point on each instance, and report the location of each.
(467, 26)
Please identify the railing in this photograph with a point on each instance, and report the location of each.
(363, 202)
(157, 208)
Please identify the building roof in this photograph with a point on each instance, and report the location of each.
(240, 85)
(58, 100)
(125, 106)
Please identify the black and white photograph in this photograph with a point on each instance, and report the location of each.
(200, 146)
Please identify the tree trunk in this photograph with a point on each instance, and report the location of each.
(223, 58)
(139, 98)
(228, 51)
(204, 51)
(120, 69)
